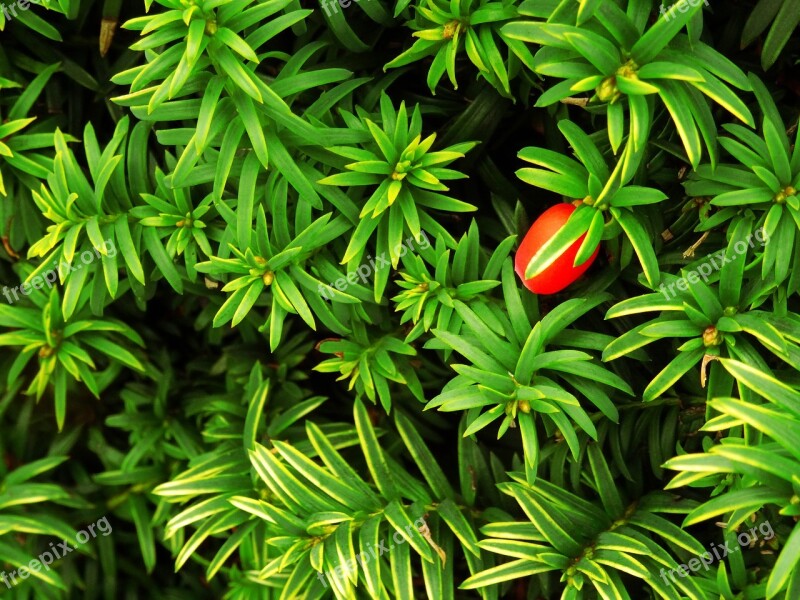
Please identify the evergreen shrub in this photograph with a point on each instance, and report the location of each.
(261, 316)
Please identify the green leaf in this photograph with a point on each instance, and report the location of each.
(585, 149)
(472, 352)
(565, 184)
(35, 22)
(604, 482)
(596, 49)
(164, 263)
(777, 152)
(30, 470)
(320, 478)
(776, 424)
(128, 249)
(634, 195)
(749, 499)
(399, 519)
(144, 530)
(786, 563)
(781, 31)
(677, 102)
(578, 223)
(252, 124)
(672, 373)
(765, 385)
(722, 95)
(253, 417)
(616, 125)
(669, 70)
(235, 43)
(373, 453)
(592, 240)
(759, 20)
(426, 462)
(12, 555)
(515, 569)
(659, 35)
(634, 86)
(667, 530)
(743, 197)
(640, 242)
(241, 77)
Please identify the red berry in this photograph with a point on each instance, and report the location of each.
(561, 273)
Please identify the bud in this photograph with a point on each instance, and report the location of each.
(607, 90)
(712, 336)
(450, 29)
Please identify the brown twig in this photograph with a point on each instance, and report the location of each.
(575, 101)
(690, 251)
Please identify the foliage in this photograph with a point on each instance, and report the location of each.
(260, 307)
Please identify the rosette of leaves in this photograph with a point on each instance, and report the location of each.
(64, 348)
(85, 216)
(204, 474)
(25, 157)
(610, 53)
(717, 322)
(228, 417)
(224, 118)
(751, 473)
(764, 184)
(444, 29)
(16, 147)
(635, 446)
(170, 212)
(271, 259)
(313, 532)
(274, 395)
(407, 180)
(428, 298)
(194, 35)
(209, 48)
(249, 501)
(370, 363)
(608, 206)
(526, 374)
(591, 545)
